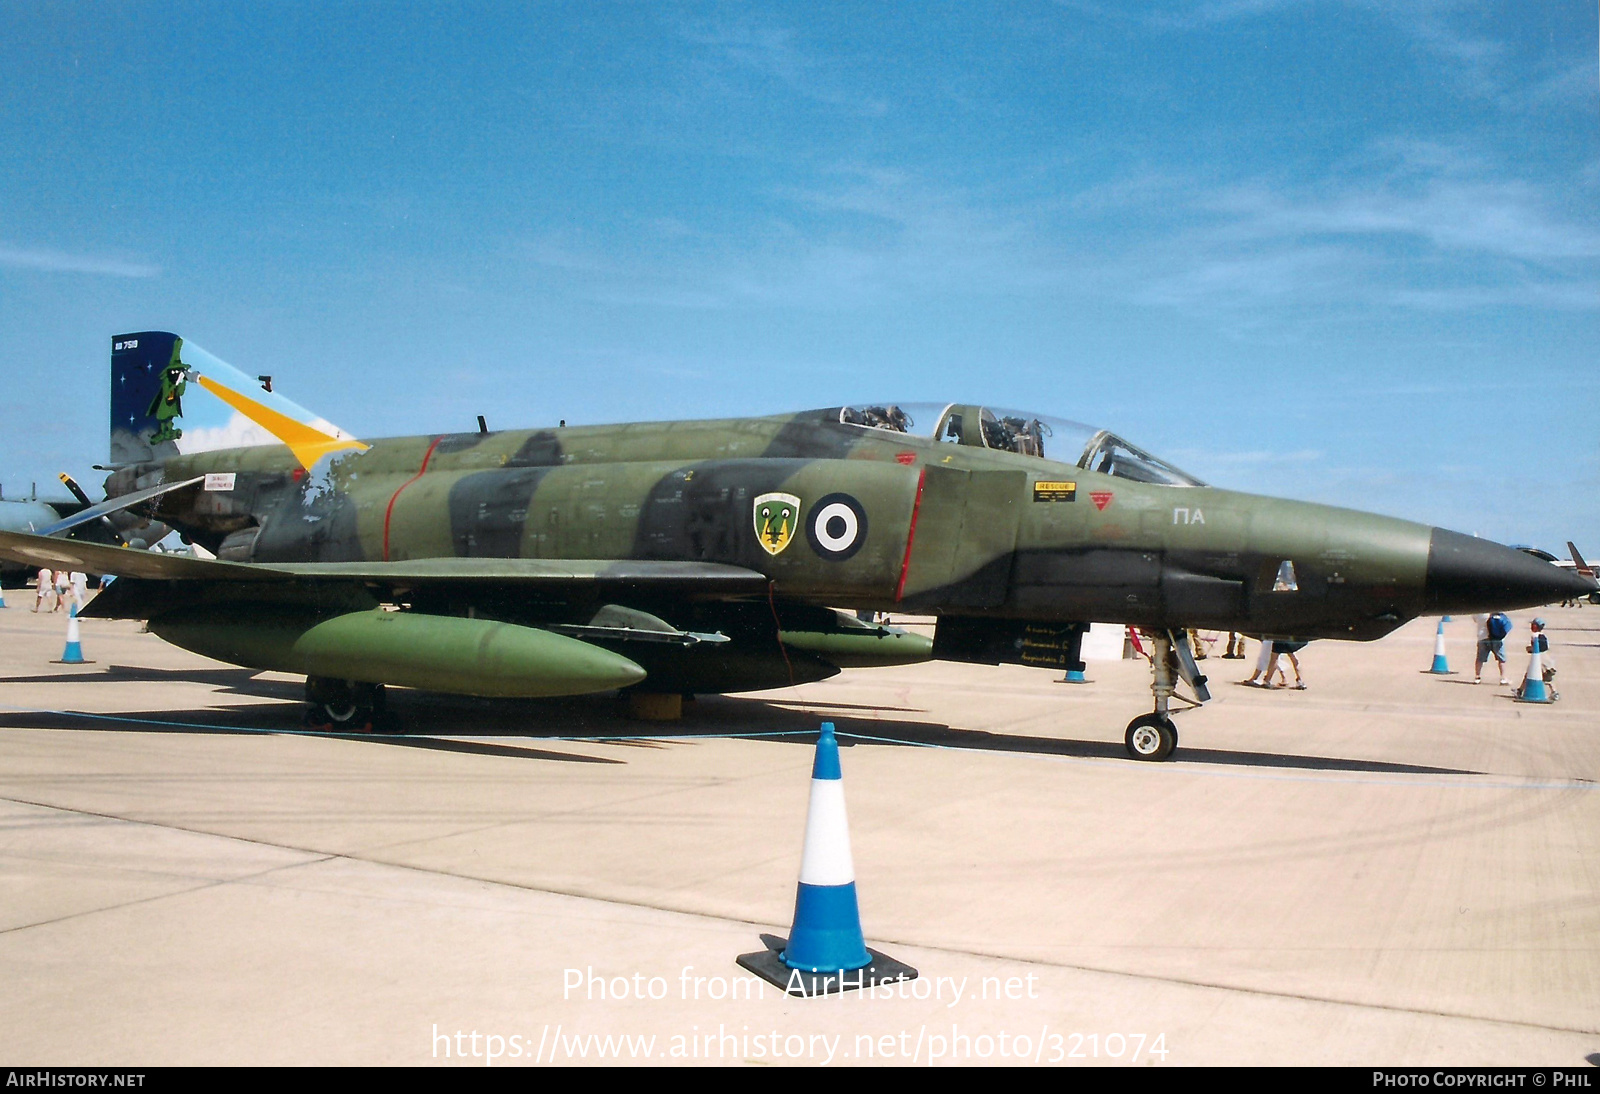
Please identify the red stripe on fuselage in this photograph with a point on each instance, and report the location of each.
(911, 535)
(387, 513)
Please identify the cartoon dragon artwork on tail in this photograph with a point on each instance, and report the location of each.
(167, 406)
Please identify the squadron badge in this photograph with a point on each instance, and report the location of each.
(777, 516)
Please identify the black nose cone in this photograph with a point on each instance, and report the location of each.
(1467, 574)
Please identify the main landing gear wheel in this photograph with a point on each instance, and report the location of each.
(1151, 737)
(346, 706)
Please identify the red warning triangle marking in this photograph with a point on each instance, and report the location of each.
(1101, 499)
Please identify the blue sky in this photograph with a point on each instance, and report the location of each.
(1347, 252)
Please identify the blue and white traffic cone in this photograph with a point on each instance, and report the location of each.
(826, 936)
(826, 951)
(1533, 689)
(73, 654)
(1074, 676)
(1441, 663)
(3, 597)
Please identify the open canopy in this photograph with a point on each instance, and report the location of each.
(1022, 432)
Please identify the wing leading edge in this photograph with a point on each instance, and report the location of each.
(711, 578)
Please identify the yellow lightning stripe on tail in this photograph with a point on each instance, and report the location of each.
(308, 445)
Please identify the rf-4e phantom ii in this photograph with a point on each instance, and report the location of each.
(670, 558)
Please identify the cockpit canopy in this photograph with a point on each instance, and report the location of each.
(1021, 432)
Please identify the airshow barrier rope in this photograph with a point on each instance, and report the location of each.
(599, 738)
(264, 730)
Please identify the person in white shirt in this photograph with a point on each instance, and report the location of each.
(45, 585)
(1264, 664)
(1487, 646)
(80, 588)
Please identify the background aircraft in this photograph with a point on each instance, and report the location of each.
(27, 515)
(121, 527)
(1574, 562)
(712, 556)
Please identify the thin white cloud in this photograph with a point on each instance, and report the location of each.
(854, 236)
(27, 258)
(1236, 280)
(1439, 27)
(662, 296)
(1508, 218)
(561, 255)
(1404, 225)
(1417, 226)
(1219, 11)
(1260, 458)
(1576, 84)
(1456, 37)
(775, 52)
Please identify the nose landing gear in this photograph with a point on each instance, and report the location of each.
(1154, 736)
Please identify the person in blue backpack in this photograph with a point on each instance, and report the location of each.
(1492, 631)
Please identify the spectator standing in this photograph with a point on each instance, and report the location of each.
(1286, 649)
(1540, 644)
(1263, 667)
(1492, 631)
(44, 586)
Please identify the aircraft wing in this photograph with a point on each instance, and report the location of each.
(704, 578)
(100, 558)
(711, 577)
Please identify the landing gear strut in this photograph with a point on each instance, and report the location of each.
(1154, 736)
(345, 706)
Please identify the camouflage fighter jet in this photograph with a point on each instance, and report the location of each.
(671, 558)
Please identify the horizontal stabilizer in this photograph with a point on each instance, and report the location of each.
(112, 505)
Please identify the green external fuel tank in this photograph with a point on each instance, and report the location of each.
(436, 653)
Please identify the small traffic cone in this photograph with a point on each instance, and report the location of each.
(825, 951)
(3, 603)
(1074, 655)
(73, 654)
(1441, 663)
(1533, 689)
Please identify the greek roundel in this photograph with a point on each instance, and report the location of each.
(838, 527)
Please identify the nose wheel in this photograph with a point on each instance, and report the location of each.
(1151, 737)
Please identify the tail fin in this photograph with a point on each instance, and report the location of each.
(170, 397)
